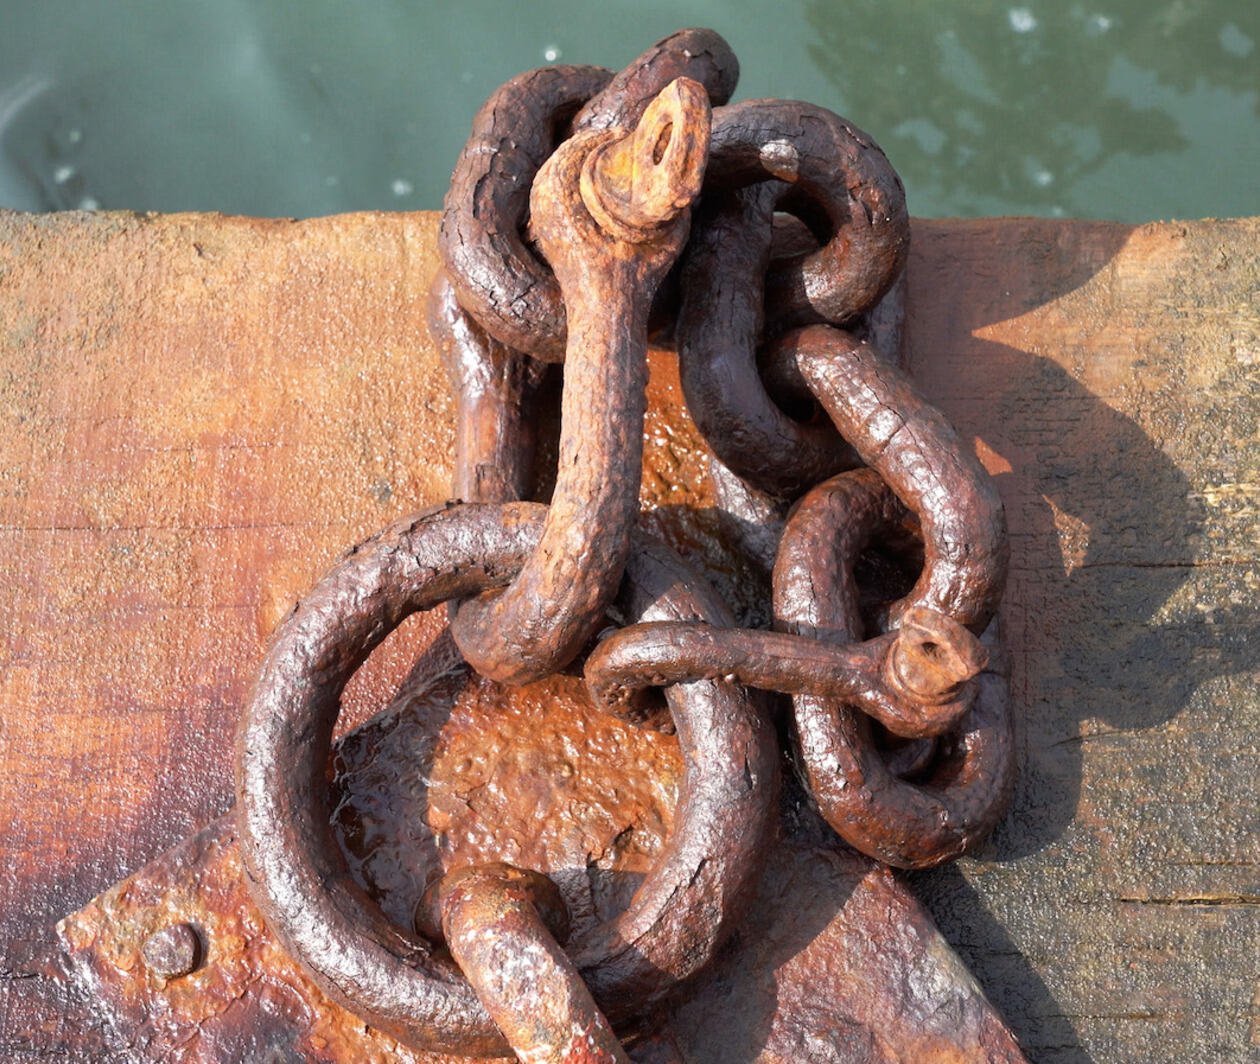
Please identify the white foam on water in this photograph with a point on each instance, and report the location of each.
(1235, 42)
(1022, 20)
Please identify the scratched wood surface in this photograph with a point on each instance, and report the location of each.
(197, 414)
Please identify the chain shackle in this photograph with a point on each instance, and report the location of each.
(498, 279)
(843, 187)
(610, 212)
(928, 675)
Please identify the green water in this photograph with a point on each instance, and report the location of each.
(1125, 109)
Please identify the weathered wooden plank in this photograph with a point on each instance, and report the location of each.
(197, 414)
(1111, 376)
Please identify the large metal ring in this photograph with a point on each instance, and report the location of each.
(298, 875)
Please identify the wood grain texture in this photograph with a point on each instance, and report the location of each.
(1109, 375)
(198, 414)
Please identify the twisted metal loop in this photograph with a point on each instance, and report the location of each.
(499, 280)
(917, 467)
(843, 187)
(958, 797)
(718, 334)
(766, 156)
(913, 448)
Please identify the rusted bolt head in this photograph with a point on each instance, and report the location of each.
(172, 952)
(933, 656)
(636, 185)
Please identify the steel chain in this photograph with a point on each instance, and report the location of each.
(585, 211)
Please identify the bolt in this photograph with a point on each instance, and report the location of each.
(933, 657)
(172, 952)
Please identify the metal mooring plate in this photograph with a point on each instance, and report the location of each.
(836, 962)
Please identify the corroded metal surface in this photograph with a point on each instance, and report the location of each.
(837, 961)
(923, 812)
(500, 281)
(460, 770)
(609, 209)
(505, 928)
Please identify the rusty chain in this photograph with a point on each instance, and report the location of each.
(587, 211)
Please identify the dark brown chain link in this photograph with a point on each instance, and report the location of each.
(585, 210)
(400, 983)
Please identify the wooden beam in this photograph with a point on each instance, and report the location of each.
(198, 414)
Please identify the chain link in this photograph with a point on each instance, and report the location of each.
(585, 211)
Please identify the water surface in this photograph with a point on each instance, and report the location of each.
(1125, 109)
